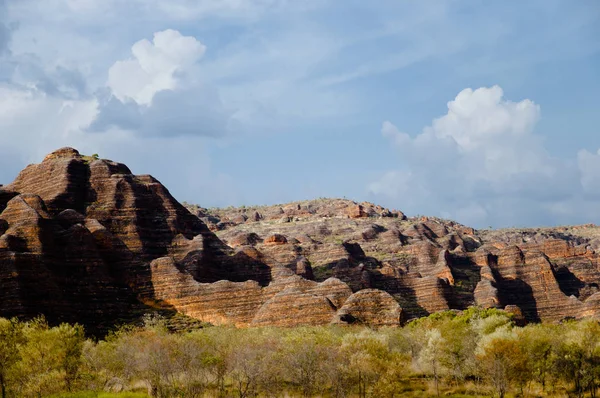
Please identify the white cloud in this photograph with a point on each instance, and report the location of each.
(477, 117)
(160, 92)
(154, 66)
(34, 123)
(44, 107)
(480, 127)
(479, 157)
(190, 9)
(589, 167)
(171, 10)
(54, 118)
(290, 67)
(182, 163)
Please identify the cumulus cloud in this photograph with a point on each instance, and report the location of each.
(589, 168)
(34, 123)
(281, 67)
(27, 70)
(480, 126)
(61, 122)
(154, 66)
(152, 114)
(160, 91)
(482, 163)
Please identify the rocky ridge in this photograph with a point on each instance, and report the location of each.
(427, 264)
(84, 240)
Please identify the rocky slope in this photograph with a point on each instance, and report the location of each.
(84, 240)
(427, 264)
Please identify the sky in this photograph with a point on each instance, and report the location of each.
(485, 112)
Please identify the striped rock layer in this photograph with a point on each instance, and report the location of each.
(84, 240)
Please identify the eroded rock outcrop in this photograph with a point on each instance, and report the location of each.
(371, 307)
(429, 264)
(84, 240)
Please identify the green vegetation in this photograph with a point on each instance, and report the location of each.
(322, 273)
(403, 258)
(95, 394)
(473, 353)
(90, 159)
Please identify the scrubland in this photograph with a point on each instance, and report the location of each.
(458, 354)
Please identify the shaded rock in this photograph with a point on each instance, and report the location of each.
(356, 211)
(371, 232)
(239, 219)
(371, 307)
(70, 217)
(243, 239)
(275, 239)
(297, 301)
(486, 294)
(83, 239)
(517, 314)
(3, 226)
(304, 269)
(255, 216)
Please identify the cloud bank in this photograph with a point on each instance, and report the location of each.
(154, 105)
(154, 66)
(483, 164)
(159, 91)
(233, 102)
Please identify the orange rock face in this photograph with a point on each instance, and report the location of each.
(84, 240)
(429, 265)
(276, 239)
(370, 307)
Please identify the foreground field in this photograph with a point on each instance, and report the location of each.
(468, 354)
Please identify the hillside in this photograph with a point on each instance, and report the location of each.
(84, 240)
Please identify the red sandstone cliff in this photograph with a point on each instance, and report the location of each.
(84, 240)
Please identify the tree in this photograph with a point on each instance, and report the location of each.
(252, 364)
(503, 362)
(11, 336)
(219, 344)
(537, 343)
(578, 356)
(457, 355)
(153, 356)
(38, 369)
(368, 353)
(306, 357)
(70, 340)
(430, 356)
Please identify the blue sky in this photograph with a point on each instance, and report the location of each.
(486, 112)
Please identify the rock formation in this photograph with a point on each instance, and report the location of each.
(428, 264)
(84, 240)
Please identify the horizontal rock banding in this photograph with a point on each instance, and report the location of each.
(84, 240)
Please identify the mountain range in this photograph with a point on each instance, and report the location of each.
(84, 240)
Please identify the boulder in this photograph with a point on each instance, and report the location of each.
(370, 307)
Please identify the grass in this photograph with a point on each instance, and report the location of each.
(403, 258)
(94, 394)
(322, 273)
(89, 159)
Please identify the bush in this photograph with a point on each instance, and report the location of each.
(470, 353)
